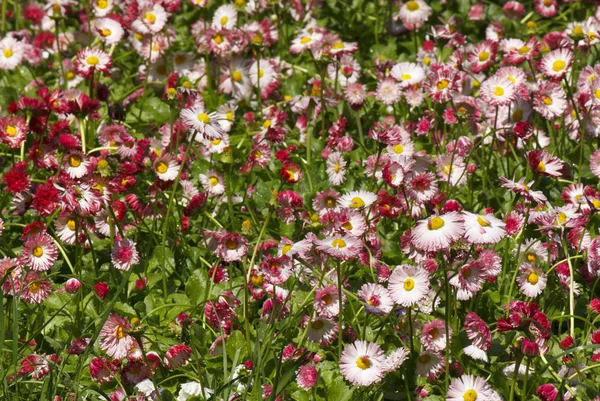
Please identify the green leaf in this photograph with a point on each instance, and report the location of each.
(195, 287)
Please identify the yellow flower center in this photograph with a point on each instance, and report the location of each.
(261, 73)
(71, 224)
(597, 93)
(558, 65)
(286, 248)
(517, 115)
(577, 31)
(162, 167)
(213, 181)
(105, 32)
(562, 218)
(10, 130)
(236, 76)
(305, 40)
(412, 6)
(327, 299)
(409, 284)
(406, 77)
(470, 395)
(596, 203)
(257, 280)
(357, 202)
(70, 75)
(532, 278)
(267, 124)
(119, 332)
(424, 358)
(330, 203)
(336, 167)
(139, 36)
(102, 163)
(317, 324)
(398, 149)
(150, 17)
(434, 333)
(337, 45)
(203, 118)
(547, 100)
(34, 287)
(102, 4)
(435, 223)
(338, 243)
(547, 3)
(74, 160)
(224, 20)
(347, 226)
(229, 116)
(498, 91)
(37, 251)
(92, 60)
(524, 50)
(218, 39)
(443, 84)
(231, 244)
(426, 61)
(363, 362)
(257, 39)
(8, 53)
(531, 257)
(541, 167)
(483, 56)
(482, 222)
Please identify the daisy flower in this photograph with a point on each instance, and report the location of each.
(326, 302)
(468, 388)
(483, 56)
(108, 30)
(66, 228)
(355, 94)
(556, 64)
(336, 168)
(543, 163)
(307, 376)
(483, 229)
(408, 74)
(235, 78)
(414, 13)
(550, 100)
(232, 247)
(124, 254)
(102, 7)
(523, 189)
(376, 298)
(166, 167)
(451, 169)
(344, 247)
(328, 200)
(76, 165)
(225, 17)
(213, 182)
(11, 53)
(321, 330)
(152, 19)
(13, 131)
(198, 118)
(308, 39)
(443, 83)
(34, 289)
(422, 187)
(40, 252)
(408, 285)
(532, 280)
(430, 364)
(358, 199)
(362, 363)
(114, 339)
(92, 59)
(437, 232)
(395, 359)
(498, 91)
(433, 336)
(388, 92)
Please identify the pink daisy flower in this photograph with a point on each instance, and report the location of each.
(437, 232)
(408, 285)
(114, 339)
(362, 363)
(124, 254)
(377, 299)
(40, 252)
(483, 229)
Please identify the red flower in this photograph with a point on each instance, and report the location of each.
(16, 179)
(46, 199)
(101, 289)
(291, 173)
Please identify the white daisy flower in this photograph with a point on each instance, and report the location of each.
(225, 17)
(198, 118)
(376, 298)
(358, 199)
(76, 165)
(213, 182)
(468, 388)
(102, 7)
(362, 363)
(108, 30)
(532, 280)
(437, 232)
(408, 74)
(11, 53)
(485, 229)
(166, 168)
(408, 285)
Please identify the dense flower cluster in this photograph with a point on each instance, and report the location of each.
(300, 200)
